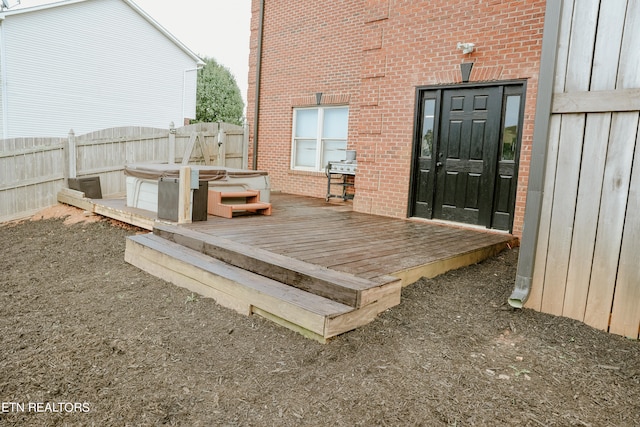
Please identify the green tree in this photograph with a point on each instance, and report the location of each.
(218, 97)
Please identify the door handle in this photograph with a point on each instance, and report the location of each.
(438, 164)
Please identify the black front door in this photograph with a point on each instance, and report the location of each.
(465, 155)
(465, 165)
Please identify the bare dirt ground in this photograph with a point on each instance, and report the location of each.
(86, 339)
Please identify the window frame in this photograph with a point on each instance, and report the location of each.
(319, 137)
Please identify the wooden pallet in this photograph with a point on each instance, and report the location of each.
(246, 292)
(225, 203)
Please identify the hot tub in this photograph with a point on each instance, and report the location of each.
(142, 181)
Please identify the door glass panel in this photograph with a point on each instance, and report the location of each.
(510, 130)
(427, 127)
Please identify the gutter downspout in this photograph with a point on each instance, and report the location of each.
(256, 108)
(184, 91)
(535, 190)
(3, 79)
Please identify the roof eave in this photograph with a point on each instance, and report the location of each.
(164, 31)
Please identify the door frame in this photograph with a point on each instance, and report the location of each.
(417, 129)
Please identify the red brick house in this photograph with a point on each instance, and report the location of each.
(436, 97)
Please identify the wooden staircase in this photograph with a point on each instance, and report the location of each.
(312, 300)
(225, 203)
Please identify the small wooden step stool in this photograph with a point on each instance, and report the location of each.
(249, 202)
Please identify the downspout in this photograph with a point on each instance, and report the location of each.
(184, 92)
(535, 190)
(3, 78)
(256, 108)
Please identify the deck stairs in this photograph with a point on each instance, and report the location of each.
(225, 203)
(315, 301)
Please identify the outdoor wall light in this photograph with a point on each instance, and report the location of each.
(318, 98)
(466, 47)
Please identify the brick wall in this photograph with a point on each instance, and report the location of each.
(372, 54)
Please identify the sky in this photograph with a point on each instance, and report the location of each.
(219, 29)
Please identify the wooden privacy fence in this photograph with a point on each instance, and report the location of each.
(587, 264)
(33, 170)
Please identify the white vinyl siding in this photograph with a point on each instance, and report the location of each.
(92, 65)
(319, 137)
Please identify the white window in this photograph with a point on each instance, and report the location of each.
(319, 137)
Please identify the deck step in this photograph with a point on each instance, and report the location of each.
(239, 194)
(225, 203)
(246, 292)
(339, 286)
(250, 206)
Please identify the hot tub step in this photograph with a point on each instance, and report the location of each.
(247, 194)
(225, 203)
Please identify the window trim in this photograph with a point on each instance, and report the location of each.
(320, 140)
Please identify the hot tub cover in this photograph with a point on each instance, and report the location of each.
(155, 171)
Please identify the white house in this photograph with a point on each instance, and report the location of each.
(88, 65)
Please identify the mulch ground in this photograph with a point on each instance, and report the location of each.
(87, 339)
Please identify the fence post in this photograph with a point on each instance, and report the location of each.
(221, 146)
(71, 155)
(172, 143)
(184, 196)
(245, 147)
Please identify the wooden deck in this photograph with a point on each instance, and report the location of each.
(315, 267)
(331, 235)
